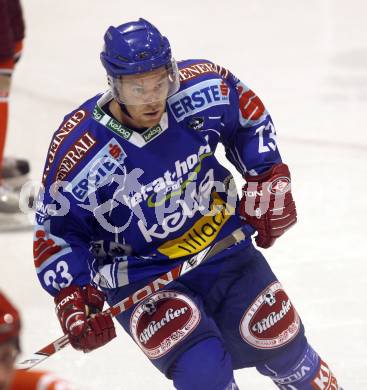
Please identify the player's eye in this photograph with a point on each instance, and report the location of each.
(160, 85)
(137, 90)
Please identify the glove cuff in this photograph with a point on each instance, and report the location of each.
(69, 304)
(275, 171)
(68, 294)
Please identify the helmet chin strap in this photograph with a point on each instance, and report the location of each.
(124, 109)
(126, 112)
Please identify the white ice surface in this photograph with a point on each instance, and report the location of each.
(308, 62)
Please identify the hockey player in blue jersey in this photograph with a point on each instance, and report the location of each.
(132, 188)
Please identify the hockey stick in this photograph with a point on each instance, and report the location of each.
(188, 265)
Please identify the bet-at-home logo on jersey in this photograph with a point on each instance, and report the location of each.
(172, 182)
(201, 96)
(198, 197)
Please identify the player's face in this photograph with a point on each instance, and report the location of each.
(8, 354)
(145, 97)
(145, 116)
(145, 88)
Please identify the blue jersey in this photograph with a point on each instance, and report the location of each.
(119, 205)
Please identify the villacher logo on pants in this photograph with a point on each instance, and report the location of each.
(271, 321)
(157, 331)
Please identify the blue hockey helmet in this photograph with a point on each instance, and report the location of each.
(138, 48)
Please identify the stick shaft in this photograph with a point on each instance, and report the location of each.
(155, 285)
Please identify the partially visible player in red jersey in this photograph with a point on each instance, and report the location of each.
(10, 378)
(13, 172)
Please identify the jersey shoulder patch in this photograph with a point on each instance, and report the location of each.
(202, 87)
(70, 143)
(190, 70)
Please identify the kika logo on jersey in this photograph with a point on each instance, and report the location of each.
(74, 155)
(59, 137)
(201, 96)
(174, 317)
(97, 171)
(271, 321)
